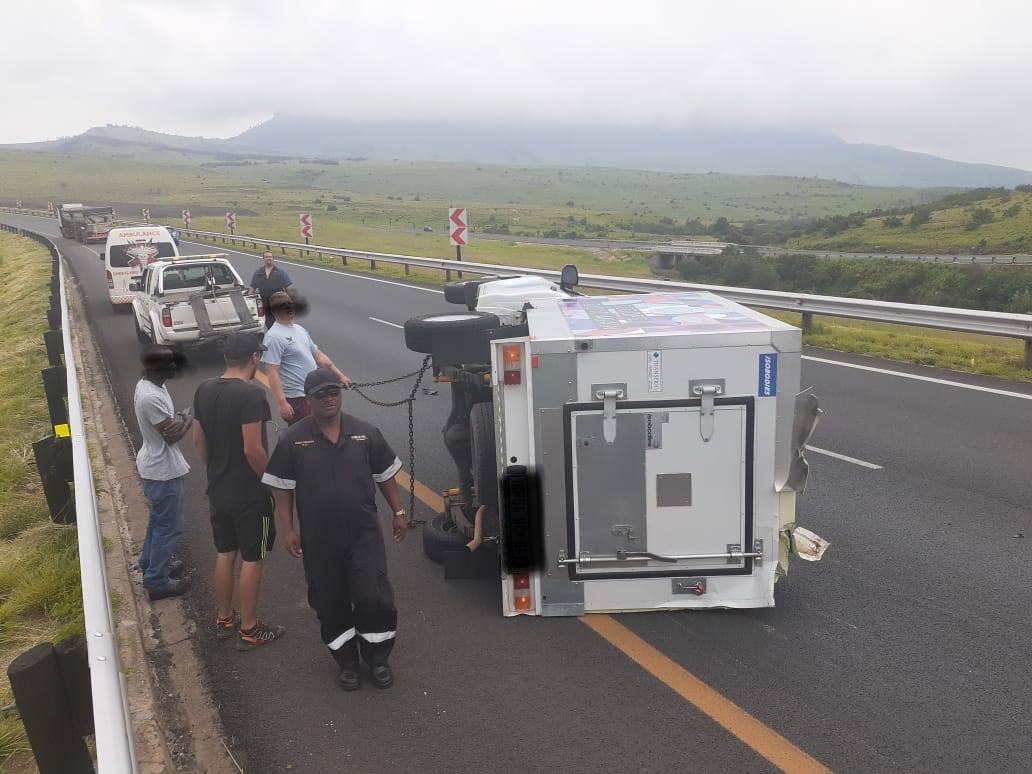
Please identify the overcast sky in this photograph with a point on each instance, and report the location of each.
(948, 78)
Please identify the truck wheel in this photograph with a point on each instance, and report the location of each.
(141, 337)
(482, 445)
(438, 538)
(421, 331)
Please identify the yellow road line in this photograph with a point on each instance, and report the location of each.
(424, 494)
(765, 741)
(739, 723)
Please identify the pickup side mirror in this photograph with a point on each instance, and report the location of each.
(569, 278)
(134, 286)
(101, 255)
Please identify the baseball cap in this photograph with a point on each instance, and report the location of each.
(319, 378)
(241, 345)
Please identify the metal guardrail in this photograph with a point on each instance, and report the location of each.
(1017, 326)
(113, 729)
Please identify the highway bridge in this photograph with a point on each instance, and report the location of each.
(908, 648)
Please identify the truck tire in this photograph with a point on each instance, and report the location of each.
(482, 446)
(141, 337)
(421, 331)
(437, 538)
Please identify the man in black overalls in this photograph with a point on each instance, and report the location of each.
(328, 463)
(268, 279)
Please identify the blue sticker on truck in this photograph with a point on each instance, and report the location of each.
(768, 375)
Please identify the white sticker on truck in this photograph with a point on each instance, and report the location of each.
(654, 370)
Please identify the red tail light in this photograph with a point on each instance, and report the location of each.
(521, 592)
(110, 281)
(512, 367)
(166, 317)
(261, 308)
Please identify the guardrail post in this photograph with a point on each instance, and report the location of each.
(42, 703)
(1028, 354)
(54, 342)
(372, 264)
(54, 463)
(74, 662)
(55, 385)
(447, 275)
(344, 260)
(281, 248)
(807, 322)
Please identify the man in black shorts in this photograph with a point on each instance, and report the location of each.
(231, 412)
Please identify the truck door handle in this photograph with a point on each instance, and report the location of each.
(706, 420)
(609, 398)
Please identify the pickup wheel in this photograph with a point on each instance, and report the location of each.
(141, 337)
(440, 535)
(482, 446)
(420, 332)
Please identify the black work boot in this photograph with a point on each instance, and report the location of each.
(383, 677)
(348, 679)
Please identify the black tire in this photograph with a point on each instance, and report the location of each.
(421, 331)
(141, 337)
(482, 446)
(437, 538)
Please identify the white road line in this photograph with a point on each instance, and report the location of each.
(323, 268)
(902, 375)
(844, 458)
(393, 325)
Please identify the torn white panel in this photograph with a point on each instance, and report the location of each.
(808, 545)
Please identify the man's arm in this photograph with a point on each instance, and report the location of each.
(324, 362)
(253, 449)
(174, 429)
(272, 374)
(200, 441)
(389, 490)
(284, 501)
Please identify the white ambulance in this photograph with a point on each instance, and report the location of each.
(127, 253)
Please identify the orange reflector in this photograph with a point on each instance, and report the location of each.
(533, 361)
(511, 353)
(523, 603)
(521, 581)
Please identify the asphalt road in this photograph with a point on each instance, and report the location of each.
(906, 649)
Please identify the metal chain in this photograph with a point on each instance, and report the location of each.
(410, 400)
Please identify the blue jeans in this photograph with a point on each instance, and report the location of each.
(164, 527)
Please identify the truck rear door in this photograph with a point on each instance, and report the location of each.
(660, 488)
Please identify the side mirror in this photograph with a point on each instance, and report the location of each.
(134, 286)
(101, 255)
(569, 278)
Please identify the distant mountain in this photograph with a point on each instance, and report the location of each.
(731, 151)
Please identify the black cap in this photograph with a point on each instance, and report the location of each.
(319, 378)
(241, 345)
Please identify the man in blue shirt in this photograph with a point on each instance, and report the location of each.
(268, 279)
(289, 357)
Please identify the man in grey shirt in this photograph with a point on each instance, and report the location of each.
(289, 357)
(162, 469)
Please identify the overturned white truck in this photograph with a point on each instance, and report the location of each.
(630, 452)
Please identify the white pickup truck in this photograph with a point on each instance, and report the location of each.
(193, 300)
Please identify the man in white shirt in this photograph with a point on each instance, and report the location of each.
(289, 357)
(163, 470)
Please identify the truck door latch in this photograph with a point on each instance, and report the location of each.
(708, 391)
(609, 395)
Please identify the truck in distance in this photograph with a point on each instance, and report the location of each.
(192, 301)
(85, 224)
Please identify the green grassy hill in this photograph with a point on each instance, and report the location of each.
(998, 223)
(590, 200)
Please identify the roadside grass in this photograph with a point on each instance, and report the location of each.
(40, 598)
(950, 350)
